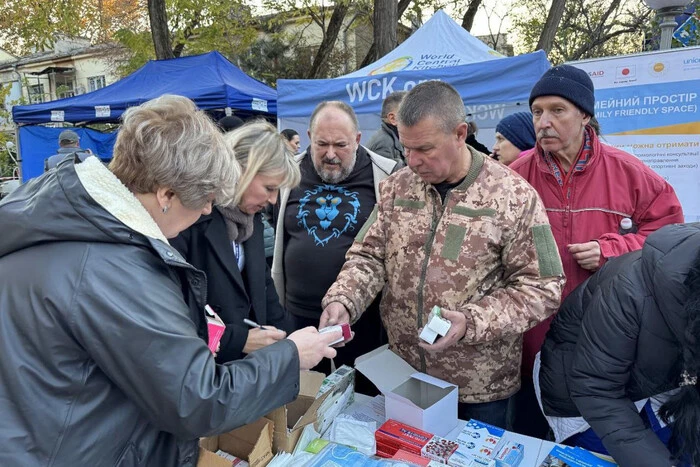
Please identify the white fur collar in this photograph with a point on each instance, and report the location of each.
(115, 198)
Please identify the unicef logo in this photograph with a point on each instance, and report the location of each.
(327, 212)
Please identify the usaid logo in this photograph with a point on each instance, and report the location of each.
(596, 74)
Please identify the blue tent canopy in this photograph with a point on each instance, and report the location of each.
(210, 80)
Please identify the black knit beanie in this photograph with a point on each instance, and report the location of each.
(519, 130)
(571, 83)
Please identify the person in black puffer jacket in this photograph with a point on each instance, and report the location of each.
(631, 333)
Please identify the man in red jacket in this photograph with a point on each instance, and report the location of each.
(601, 201)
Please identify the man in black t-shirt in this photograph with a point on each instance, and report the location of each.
(318, 220)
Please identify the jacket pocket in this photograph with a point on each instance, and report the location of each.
(454, 237)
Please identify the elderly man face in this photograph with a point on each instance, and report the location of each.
(559, 125)
(334, 143)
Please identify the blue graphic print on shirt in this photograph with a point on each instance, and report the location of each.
(320, 209)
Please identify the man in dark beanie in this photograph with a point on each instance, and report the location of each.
(602, 202)
(514, 134)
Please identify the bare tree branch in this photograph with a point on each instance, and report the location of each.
(468, 18)
(556, 11)
(403, 5)
(187, 33)
(329, 38)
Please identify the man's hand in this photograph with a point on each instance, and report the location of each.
(258, 338)
(456, 332)
(586, 254)
(312, 346)
(334, 313)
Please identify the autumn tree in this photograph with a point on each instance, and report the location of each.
(33, 25)
(588, 28)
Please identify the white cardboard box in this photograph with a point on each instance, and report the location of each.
(411, 397)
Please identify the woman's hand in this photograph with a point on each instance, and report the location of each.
(259, 338)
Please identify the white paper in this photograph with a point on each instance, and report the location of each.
(259, 104)
(102, 111)
(370, 411)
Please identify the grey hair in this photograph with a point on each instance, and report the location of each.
(392, 102)
(340, 105)
(168, 143)
(435, 99)
(260, 150)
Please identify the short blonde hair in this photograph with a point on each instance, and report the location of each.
(260, 150)
(168, 143)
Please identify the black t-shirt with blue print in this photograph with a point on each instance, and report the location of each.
(321, 222)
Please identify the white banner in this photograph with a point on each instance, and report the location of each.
(648, 105)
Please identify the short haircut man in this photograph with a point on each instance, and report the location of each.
(68, 139)
(385, 141)
(68, 143)
(457, 230)
(317, 221)
(588, 188)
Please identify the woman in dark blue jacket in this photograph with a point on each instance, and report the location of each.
(228, 244)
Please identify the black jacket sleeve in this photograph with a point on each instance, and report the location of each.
(232, 343)
(132, 320)
(604, 354)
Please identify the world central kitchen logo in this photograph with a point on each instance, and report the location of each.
(398, 64)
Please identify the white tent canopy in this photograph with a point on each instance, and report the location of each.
(439, 43)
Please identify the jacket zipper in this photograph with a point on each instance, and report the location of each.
(437, 216)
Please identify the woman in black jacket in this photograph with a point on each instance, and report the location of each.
(228, 244)
(625, 342)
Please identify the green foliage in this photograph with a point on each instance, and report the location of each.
(33, 25)
(138, 50)
(8, 167)
(589, 28)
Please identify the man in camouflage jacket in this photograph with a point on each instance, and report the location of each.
(457, 230)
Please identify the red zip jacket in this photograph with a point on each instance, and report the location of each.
(612, 185)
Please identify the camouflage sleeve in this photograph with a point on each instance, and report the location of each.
(533, 277)
(363, 275)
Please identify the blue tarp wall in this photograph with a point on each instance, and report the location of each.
(36, 142)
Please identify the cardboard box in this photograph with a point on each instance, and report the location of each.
(413, 398)
(414, 459)
(393, 435)
(339, 390)
(289, 420)
(252, 442)
(479, 442)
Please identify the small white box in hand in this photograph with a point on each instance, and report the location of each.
(437, 325)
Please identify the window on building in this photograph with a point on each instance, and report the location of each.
(65, 90)
(96, 82)
(36, 93)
